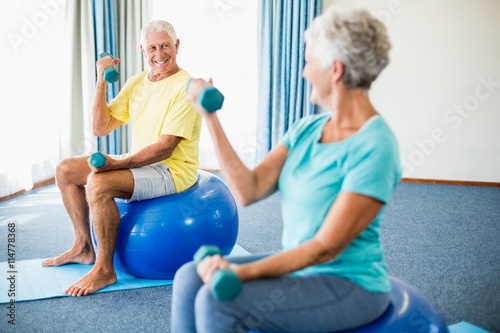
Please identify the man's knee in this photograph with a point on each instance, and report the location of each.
(97, 186)
(62, 170)
(71, 171)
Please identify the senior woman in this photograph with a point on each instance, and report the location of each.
(335, 172)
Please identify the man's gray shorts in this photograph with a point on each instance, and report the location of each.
(151, 181)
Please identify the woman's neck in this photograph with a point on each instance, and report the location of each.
(351, 108)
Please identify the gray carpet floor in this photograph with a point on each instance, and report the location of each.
(442, 239)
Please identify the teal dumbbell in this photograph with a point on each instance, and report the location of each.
(97, 160)
(224, 284)
(111, 74)
(210, 98)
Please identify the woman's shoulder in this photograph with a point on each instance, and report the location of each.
(314, 118)
(377, 140)
(311, 121)
(303, 128)
(377, 128)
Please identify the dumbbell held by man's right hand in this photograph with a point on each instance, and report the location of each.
(110, 74)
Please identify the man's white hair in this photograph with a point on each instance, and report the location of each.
(157, 26)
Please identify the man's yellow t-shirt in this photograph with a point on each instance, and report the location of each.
(157, 108)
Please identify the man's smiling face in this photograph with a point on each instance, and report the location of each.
(161, 52)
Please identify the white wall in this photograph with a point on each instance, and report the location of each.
(218, 39)
(435, 92)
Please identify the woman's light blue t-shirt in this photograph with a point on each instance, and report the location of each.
(315, 173)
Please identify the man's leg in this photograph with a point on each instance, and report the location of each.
(102, 188)
(71, 177)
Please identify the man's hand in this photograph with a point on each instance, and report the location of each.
(104, 63)
(109, 164)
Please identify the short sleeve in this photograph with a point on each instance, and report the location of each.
(301, 128)
(119, 106)
(374, 169)
(286, 139)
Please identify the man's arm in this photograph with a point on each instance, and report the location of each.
(154, 153)
(102, 121)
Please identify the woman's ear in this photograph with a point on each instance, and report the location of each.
(338, 70)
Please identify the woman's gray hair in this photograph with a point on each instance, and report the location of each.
(157, 26)
(354, 37)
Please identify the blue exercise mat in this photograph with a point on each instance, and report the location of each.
(34, 281)
(464, 327)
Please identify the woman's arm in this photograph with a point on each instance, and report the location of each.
(349, 215)
(247, 185)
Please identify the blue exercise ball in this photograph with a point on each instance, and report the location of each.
(157, 236)
(409, 312)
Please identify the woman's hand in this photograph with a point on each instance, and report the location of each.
(194, 89)
(210, 264)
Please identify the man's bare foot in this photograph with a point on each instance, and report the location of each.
(91, 282)
(73, 256)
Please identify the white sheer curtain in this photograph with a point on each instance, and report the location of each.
(32, 64)
(131, 16)
(75, 121)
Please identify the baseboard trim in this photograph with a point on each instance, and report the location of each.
(36, 185)
(211, 170)
(434, 181)
(404, 180)
(449, 182)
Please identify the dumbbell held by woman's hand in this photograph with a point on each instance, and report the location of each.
(111, 74)
(209, 97)
(224, 283)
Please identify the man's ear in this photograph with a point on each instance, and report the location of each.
(177, 43)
